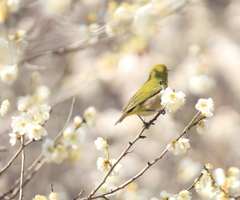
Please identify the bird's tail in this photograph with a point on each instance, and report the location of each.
(121, 118)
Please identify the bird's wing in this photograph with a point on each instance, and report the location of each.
(139, 98)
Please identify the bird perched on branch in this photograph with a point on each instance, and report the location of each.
(147, 100)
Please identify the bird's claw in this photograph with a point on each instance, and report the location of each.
(146, 125)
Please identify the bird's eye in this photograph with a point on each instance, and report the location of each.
(162, 82)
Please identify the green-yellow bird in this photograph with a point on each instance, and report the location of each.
(147, 99)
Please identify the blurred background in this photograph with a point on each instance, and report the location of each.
(101, 52)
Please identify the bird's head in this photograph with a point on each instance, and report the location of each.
(159, 74)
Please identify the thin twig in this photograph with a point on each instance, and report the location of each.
(15, 156)
(124, 153)
(79, 194)
(190, 125)
(214, 181)
(22, 169)
(194, 183)
(67, 122)
(37, 168)
(84, 42)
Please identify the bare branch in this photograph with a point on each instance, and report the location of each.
(80, 193)
(125, 152)
(149, 164)
(15, 156)
(22, 169)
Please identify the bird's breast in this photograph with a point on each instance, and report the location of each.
(151, 104)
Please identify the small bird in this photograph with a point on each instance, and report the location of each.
(147, 99)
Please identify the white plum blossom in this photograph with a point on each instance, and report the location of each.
(214, 190)
(124, 14)
(172, 198)
(234, 171)
(205, 180)
(36, 132)
(41, 113)
(232, 182)
(101, 144)
(26, 100)
(5, 107)
(165, 195)
(174, 147)
(78, 121)
(104, 165)
(223, 196)
(219, 176)
(116, 169)
(184, 195)
(146, 15)
(13, 5)
(30, 123)
(90, 115)
(205, 106)
(20, 124)
(73, 137)
(53, 196)
(48, 148)
(41, 94)
(184, 144)
(171, 100)
(9, 74)
(39, 197)
(13, 139)
(179, 146)
(21, 107)
(203, 126)
(60, 153)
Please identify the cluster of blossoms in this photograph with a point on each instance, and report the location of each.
(179, 146)
(57, 151)
(183, 195)
(52, 196)
(122, 19)
(206, 107)
(171, 100)
(135, 17)
(105, 164)
(40, 94)
(218, 185)
(10, 50)
(30, 123)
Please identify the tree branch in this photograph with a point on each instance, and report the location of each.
(149, 164)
